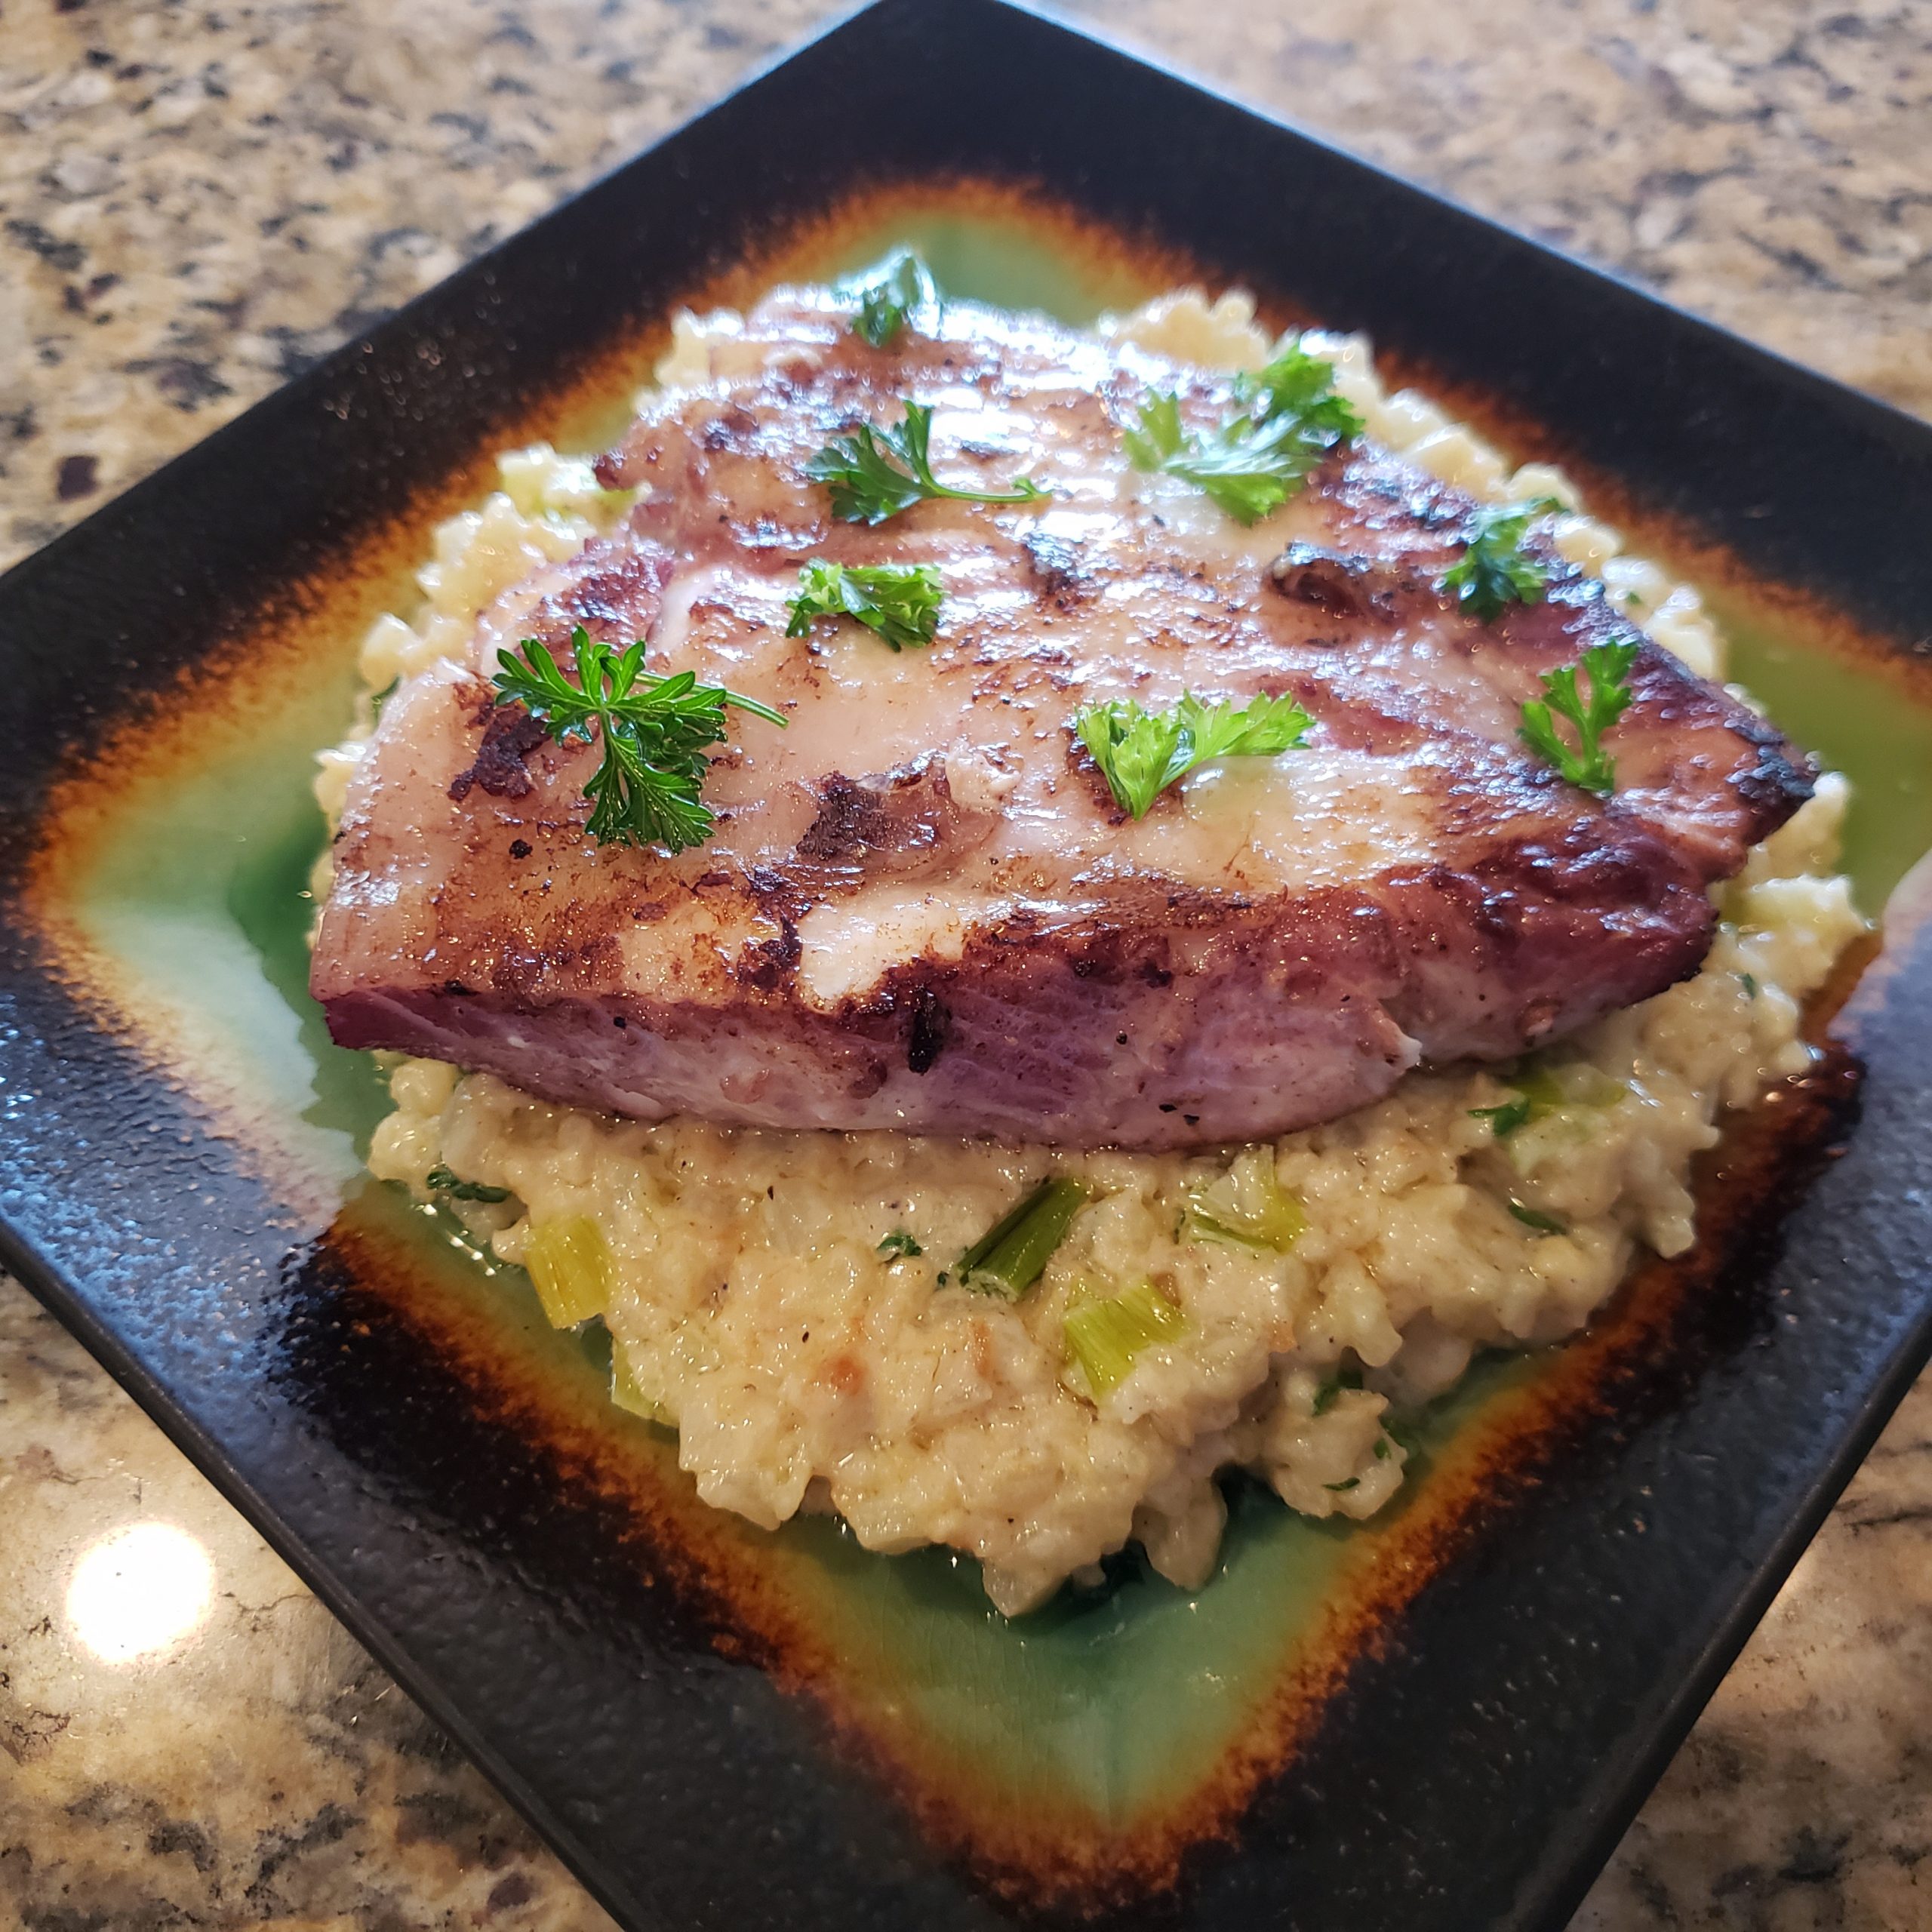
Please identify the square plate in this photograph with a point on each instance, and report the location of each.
(1441, 1719)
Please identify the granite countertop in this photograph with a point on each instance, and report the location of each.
(196, 202)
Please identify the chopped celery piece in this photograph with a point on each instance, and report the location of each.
(1539, 1086)
(570, 1265)
(625, 1392)
(1575, 1084)
(1013, 1253)
(1103, 1337)
(1247, 1205)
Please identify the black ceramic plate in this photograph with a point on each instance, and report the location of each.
(1442, 1720)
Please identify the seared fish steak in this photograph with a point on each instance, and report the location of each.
(921, 908)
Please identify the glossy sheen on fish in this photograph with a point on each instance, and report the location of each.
(921, 908)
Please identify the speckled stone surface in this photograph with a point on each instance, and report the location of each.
(197, 200)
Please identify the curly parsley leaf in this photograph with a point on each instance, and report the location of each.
(1157, 438)
(898, 1245)
(1299, 384)
(1494, 569)
(874, 474)
(654, 732)
(1140, 753)
(1588, 765)
(1290, 418)
(1258, 729)
(900, 602)
(1238, 465)
(891, 294)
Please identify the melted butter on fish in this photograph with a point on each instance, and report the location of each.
(849, 946)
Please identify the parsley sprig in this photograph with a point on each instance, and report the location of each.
(1494, 569)
(900, 602)
(1247, 469)
(1140, 753)
(1300, 385)
(890, 295)
(1589, 765)
(654, 731)
(1290, 418)
(874, 474)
